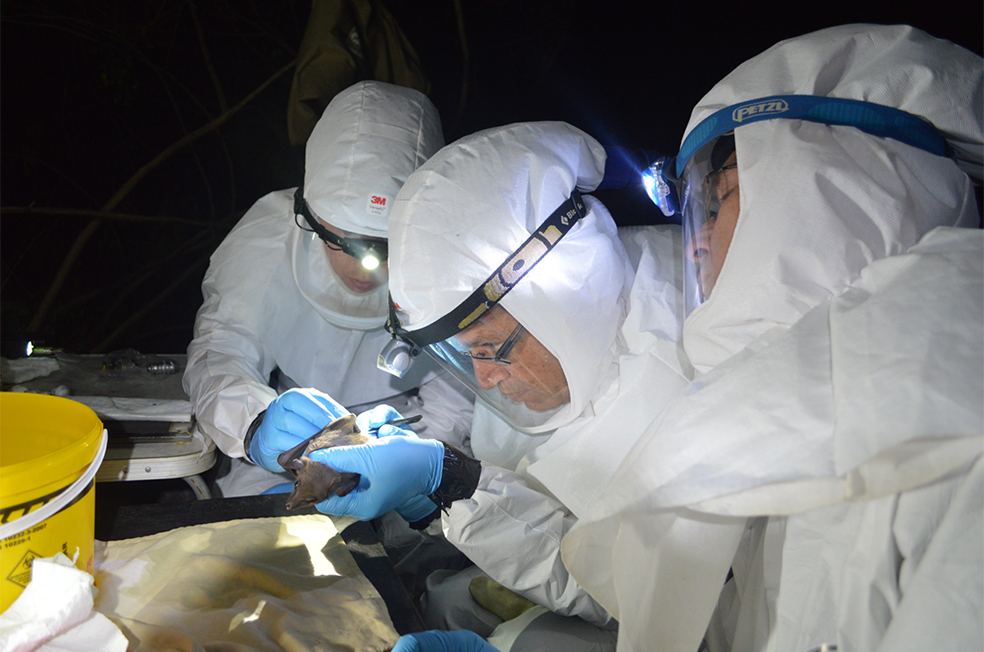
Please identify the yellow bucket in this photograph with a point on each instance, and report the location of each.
(50, 449)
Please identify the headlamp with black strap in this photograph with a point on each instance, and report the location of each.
(370, 252)
(397, 356)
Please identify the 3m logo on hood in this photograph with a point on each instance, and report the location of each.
(378, 204)
(759, 110)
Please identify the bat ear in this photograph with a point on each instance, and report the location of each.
(297, 464)
(345, 424)
(346, 484)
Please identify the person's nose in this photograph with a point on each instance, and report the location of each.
(700, 245)
(489, 374)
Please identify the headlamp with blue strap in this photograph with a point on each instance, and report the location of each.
(662, 177)
(701, 182)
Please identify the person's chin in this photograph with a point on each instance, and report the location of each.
(543, 404)
(361, 287)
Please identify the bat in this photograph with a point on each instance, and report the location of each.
(314, 481)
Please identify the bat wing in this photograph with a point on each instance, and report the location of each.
(343, 431)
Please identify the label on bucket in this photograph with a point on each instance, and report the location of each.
(8, 514)
(24, 537)
(21, 573)
(69, 531)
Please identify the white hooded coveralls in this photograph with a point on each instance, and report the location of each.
(610, 317)
(831, 451)
(273, 300)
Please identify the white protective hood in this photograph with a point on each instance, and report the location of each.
(829, 373)
(370, 138)
(819, 203)
(474, 203)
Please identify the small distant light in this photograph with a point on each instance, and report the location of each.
(29, 349)
(370, 262)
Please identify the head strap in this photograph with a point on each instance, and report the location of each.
(504, 278)
(874, 119)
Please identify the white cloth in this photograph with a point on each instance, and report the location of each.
(15, 372)
(614, 332)
(842, 395)
(271, 299)
(55, 612)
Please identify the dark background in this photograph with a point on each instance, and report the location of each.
(93, 90)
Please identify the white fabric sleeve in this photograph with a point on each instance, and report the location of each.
(941, 579)
(224, 380)
(513, 533)
(447, 407)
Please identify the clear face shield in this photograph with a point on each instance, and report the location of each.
(484, 346)
(507, 367)
(709, 185)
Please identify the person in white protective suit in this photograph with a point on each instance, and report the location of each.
(279, 295)
(829, 451)
(568, 331)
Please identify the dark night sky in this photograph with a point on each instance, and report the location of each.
(90, 91)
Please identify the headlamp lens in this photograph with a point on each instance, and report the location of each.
(370, 252)
(397, 356)
(659, 188)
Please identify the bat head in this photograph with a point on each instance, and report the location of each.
(315, 481)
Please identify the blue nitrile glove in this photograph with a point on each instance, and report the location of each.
(393, 470)
(292, 417)
(460, 640)
(377, 422)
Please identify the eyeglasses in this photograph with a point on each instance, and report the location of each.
(502, 353)
(371, 253)
(720, 185)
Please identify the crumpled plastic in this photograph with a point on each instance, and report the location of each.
(283, 583)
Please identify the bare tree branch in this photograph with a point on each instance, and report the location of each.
(208, 58)
(108, 215)
(190, 138)
(93, 226)
(150, 305)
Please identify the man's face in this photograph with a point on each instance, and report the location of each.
(710, 246)
(533, 376)
(356, 278)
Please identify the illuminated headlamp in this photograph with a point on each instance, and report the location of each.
(625, 167)
(660, 187)
(370, 252)
(662, 177)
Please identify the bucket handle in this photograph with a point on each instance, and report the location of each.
(67, 495)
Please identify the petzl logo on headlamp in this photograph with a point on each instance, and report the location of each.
(770, 107)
